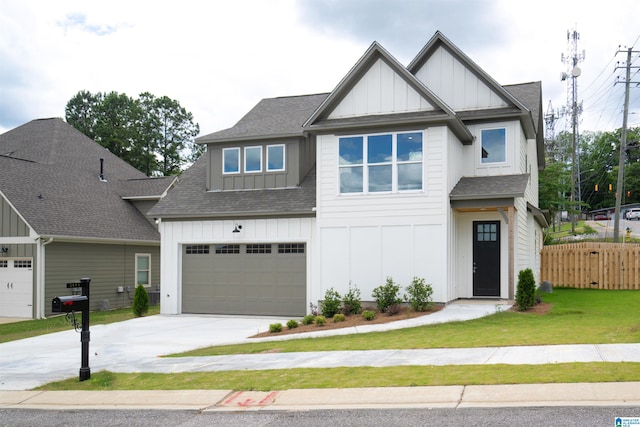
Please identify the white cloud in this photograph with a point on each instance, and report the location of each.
(218, 59)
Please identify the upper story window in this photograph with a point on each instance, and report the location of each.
(380, 163)
(494, 145)
(275, 158)
(230, 160)
(253, 159)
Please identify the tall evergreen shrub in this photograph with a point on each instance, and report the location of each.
(140, 301)
(526, 293)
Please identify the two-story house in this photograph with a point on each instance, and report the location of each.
(429, 170)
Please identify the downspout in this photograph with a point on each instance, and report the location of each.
(40, 277)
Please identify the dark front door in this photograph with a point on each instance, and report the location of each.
(486, 258)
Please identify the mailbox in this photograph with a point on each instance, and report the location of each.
(70, 303)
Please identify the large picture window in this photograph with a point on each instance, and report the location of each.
(381, 163)
(231, 160)
(494, 145)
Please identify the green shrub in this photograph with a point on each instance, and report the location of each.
(351, 302)
(292, 324)
(419, 295)
(339, 317)
(308, 319)
(526, 293)
(331, 303)
(320, 320)
(387, 295)
(140, 301)
(275, 327)
(368, 315)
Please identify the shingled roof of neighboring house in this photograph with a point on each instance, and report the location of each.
(490, 187)
(270, 118)
(49, 172)
(189, 198)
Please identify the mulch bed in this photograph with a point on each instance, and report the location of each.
(352, 320)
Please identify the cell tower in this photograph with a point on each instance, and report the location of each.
(572, 111)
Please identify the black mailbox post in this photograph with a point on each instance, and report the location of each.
(72, 304)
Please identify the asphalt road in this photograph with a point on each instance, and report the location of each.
(537, 416)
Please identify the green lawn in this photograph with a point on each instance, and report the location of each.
(32, 328)
(576, 316)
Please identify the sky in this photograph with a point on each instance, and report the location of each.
(220, 58)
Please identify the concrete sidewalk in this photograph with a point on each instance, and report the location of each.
(579, 394)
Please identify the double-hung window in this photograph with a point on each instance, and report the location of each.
(143, 270)
(381, 163)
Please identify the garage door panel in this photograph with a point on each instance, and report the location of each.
(260, 283)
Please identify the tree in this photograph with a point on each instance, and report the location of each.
(82, 113)
(172, 129)
(154, 135)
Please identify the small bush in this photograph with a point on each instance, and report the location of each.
(292, 324)
(331, 303)
(320, 320)
(419, 295)
(526, 293)
(368, 315)
(275, 327)
(337, 318)
(313, 309)
(351, 302)
(394, 309)
(140, 301)
(308, 319)
(387, 295)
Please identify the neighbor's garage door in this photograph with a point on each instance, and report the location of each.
(253, 279)
(16, 288)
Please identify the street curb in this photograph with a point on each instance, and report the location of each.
(472, 396)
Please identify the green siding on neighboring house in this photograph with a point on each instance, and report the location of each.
(108, 267)
(11, 225)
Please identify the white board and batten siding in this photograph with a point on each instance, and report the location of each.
(365, 238)
(456, 84)
(380, 91)
(175, 234)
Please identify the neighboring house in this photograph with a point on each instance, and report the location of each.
(428, 171)
(70, 209)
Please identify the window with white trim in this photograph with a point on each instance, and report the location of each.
(494, 145)
(143, 270)
(231, 160)
(275, 158)
(381, 163)
(252, 159)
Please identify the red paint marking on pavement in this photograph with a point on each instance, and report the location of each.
(247, 402)
(268, 399)
(233, 397)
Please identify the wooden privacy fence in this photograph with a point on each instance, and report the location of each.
(592, 265)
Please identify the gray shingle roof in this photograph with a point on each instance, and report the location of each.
(189, 198)
(490, 187)
(151, 188)
(49, 173)
(271, 117)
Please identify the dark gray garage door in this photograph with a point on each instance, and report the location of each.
(253, 279)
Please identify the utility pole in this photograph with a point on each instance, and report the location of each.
(574, 108)
(623, 147)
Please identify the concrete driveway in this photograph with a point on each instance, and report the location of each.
(134, 345)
